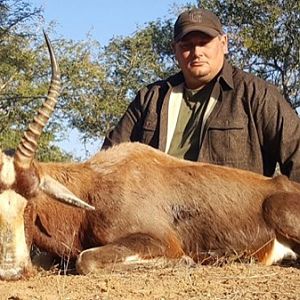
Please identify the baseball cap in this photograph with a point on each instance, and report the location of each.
(197, 19)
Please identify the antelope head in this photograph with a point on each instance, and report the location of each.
(20, 180)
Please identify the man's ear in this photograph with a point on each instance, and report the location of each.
(225, 43)
(173, 45)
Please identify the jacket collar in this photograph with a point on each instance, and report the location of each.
(225, 77)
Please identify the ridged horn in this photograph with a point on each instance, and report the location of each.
(27, 148)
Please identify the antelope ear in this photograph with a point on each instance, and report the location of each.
(55, 189)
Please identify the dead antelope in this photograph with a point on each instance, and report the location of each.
(147, 205)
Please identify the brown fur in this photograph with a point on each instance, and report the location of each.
(190, 208)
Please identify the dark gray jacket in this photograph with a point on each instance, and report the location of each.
(251, 126)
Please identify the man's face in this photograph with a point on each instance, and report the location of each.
(200, 57)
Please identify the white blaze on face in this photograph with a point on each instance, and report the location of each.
(14, 253)
(8, 174)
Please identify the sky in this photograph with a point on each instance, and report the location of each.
(103, 20)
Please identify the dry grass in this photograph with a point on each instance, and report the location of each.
(162, 280)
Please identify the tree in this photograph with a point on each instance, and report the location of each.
(264, 39)
(99, 82)
(108, 81)
(24, 77)
(109, 77)
(15, 15)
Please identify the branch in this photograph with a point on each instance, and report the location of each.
(3, 86)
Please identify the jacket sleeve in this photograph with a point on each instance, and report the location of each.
(129, 127)
(279, 131)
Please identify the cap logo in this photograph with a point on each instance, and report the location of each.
(195, 16)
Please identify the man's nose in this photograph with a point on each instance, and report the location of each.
(198, 51)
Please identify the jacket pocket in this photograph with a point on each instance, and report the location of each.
(228, 142)
(148, 128)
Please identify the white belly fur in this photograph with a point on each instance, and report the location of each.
(279, 252)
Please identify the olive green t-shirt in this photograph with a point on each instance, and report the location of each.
(185, 141)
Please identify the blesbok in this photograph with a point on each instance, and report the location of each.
(137, 203)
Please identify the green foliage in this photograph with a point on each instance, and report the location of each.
(99, 82)
(264, 39)
(17, 16)
(47, 151)
(24, 79)
(84, 101)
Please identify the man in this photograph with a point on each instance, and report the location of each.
(213, 112)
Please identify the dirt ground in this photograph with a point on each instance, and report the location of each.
(161, 281)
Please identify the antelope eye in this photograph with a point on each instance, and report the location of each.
(27, 183)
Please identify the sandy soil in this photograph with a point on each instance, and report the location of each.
(161, 281)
